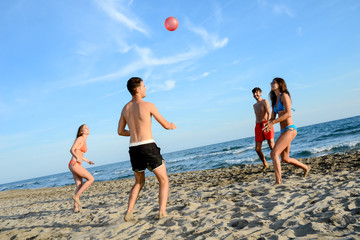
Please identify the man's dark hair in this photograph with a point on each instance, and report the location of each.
(132, 84)
(256, 89)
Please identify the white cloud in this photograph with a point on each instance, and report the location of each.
(146, 60)
(167, 86)
(281, 9)
(299, 31)
(211, 39)
(120, 15)
(203, 75)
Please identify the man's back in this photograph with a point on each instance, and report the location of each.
(138, 118)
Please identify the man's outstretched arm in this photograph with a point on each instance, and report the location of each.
(163, 122)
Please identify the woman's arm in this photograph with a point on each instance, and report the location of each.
(77, 145)
(88, 161)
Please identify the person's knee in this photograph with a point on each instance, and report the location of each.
(91, 179)
(273, 154)
(258, 149)
(164, 179)
(140, 182)
(285, 160)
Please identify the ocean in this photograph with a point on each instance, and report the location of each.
(311, 141)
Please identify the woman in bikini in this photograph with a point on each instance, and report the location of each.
(281, 105)
(79, 172)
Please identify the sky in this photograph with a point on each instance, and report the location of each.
(65, 63)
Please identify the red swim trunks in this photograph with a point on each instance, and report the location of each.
(260, 135)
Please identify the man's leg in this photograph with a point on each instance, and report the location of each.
(163, 179)
(134, 193)
(261, 154)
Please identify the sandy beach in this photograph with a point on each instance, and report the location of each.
(231, 203)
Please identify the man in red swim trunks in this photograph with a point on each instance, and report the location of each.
(262, 114)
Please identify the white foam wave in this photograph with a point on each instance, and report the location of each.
(331, 147)
(243, 150)
(240, 161)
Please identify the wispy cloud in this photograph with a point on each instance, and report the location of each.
(239, 61)
(120, 14)
(281, 9)
(113, 93)
(166, 86)
(203, 75)
(299, 31)
(211, 39)
(146, 60)
(169, 84)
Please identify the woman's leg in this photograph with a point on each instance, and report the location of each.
(81, 172)
(285, 157)
(78, 183)
(281, 144)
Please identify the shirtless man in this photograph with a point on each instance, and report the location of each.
(143, 151)
(262, 114)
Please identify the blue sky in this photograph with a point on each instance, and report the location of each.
(64, 63)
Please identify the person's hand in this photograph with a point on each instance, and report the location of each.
(267, 127)
(173, 126)
(90, 162)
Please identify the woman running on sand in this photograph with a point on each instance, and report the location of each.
(79, 172)
(281, 105)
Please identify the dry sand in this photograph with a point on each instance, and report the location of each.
(234, 203)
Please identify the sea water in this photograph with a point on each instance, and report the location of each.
(311, 141)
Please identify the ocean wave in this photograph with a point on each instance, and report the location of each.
(231, 148)
(98, 172)
(340, 146)
(243, 150)
(247, 160)
(335, 134)
(118, 172)
(197, 156)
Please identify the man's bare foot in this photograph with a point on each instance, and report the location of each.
(76, 210)
(129, 217)
(277, 184)
(265, 167)
(306, 172)
(77, 200)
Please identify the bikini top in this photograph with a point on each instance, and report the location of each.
(83, 148)
(280, 106)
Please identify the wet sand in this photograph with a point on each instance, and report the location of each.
(230, 203)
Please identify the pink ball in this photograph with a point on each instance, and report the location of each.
(171, 23)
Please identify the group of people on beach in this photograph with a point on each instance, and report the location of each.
(145, 154)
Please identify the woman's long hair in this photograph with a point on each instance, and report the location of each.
(283, 89)
(80, 131)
